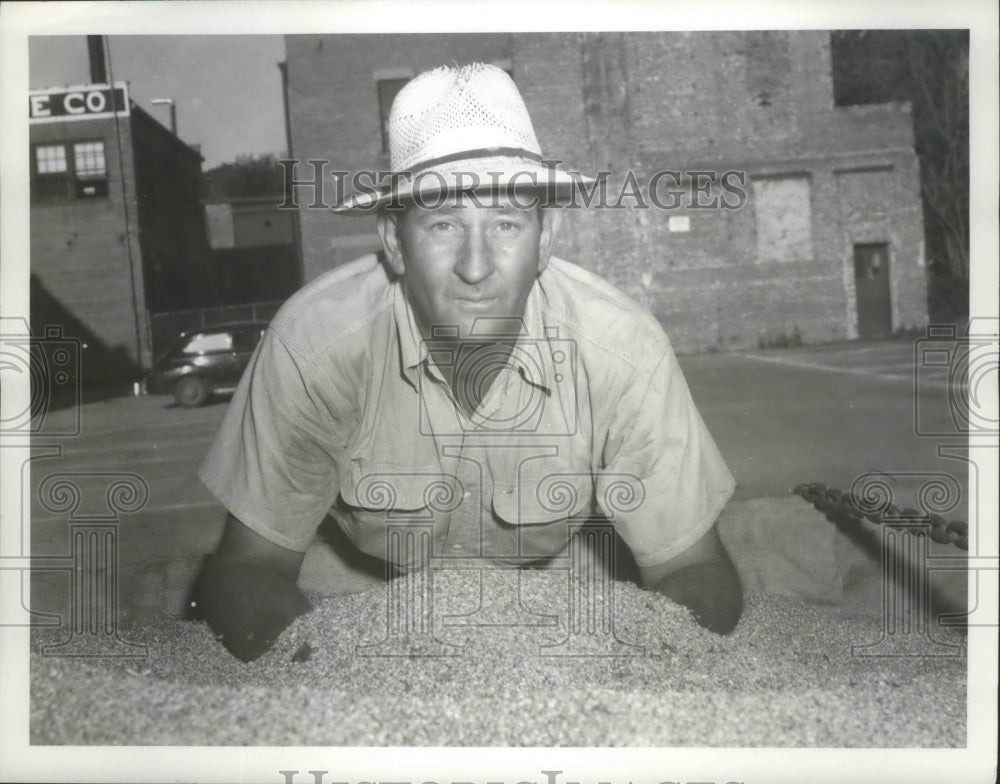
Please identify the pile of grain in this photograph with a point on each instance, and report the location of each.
(350, 673)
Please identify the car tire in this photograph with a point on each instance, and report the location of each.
(191, 392)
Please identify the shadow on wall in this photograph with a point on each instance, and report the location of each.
(70, 364)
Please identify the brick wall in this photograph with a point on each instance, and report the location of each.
(86, 263)
(759, 104)
(173, 233)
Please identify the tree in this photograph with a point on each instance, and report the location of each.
(247, 176)
(930, 69)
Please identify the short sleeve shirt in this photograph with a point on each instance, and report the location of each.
(344, 411)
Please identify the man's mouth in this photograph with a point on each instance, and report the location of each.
(475, 302)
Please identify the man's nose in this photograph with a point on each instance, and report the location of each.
(475, 262)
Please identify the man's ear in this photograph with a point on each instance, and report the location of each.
(388, 226)
(551, 218)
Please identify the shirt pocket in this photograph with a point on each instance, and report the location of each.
(375, 496)
(543, 494)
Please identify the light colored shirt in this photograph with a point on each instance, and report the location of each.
(343, 410)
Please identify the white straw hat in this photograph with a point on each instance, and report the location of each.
(459, 129)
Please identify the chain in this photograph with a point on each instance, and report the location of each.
(847, 511)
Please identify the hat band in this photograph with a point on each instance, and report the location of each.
(483, 152)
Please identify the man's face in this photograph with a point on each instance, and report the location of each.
(462, 261)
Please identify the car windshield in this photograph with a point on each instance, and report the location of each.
(204, 343)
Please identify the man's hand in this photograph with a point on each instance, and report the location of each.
(711, 591)
(247, 592)
(704, 580)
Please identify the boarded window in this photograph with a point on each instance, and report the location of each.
(783, 218)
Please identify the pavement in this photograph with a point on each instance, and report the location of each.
(780, 417)
(830, 414)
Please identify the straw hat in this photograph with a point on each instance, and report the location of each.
(459, 129)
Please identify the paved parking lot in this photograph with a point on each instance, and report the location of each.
(885, 360)
(780, 417)
(826, 413)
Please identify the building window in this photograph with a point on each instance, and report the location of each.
(51, 172)
(387, 91)
(51, 159)
(75, 170)
(783, 218)
(88, 159)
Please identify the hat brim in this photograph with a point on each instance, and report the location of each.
(481, 176)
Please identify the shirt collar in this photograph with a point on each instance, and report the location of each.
(532, 358)
(412, 350)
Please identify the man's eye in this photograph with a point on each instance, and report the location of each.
(507, 227)
(441, 227)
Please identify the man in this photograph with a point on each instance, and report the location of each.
(467, 381)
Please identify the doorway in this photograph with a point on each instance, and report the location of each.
(871, 283)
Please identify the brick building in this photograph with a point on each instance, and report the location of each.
(815, 234)
(254, 248)
(117, 225)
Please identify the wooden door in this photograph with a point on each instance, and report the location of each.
(871, 281)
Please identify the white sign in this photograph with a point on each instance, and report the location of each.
(78, 103)
(679, 223)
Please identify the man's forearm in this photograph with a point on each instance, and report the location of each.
(247, 592)
(712, 592)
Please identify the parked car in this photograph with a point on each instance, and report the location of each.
(204, 361)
